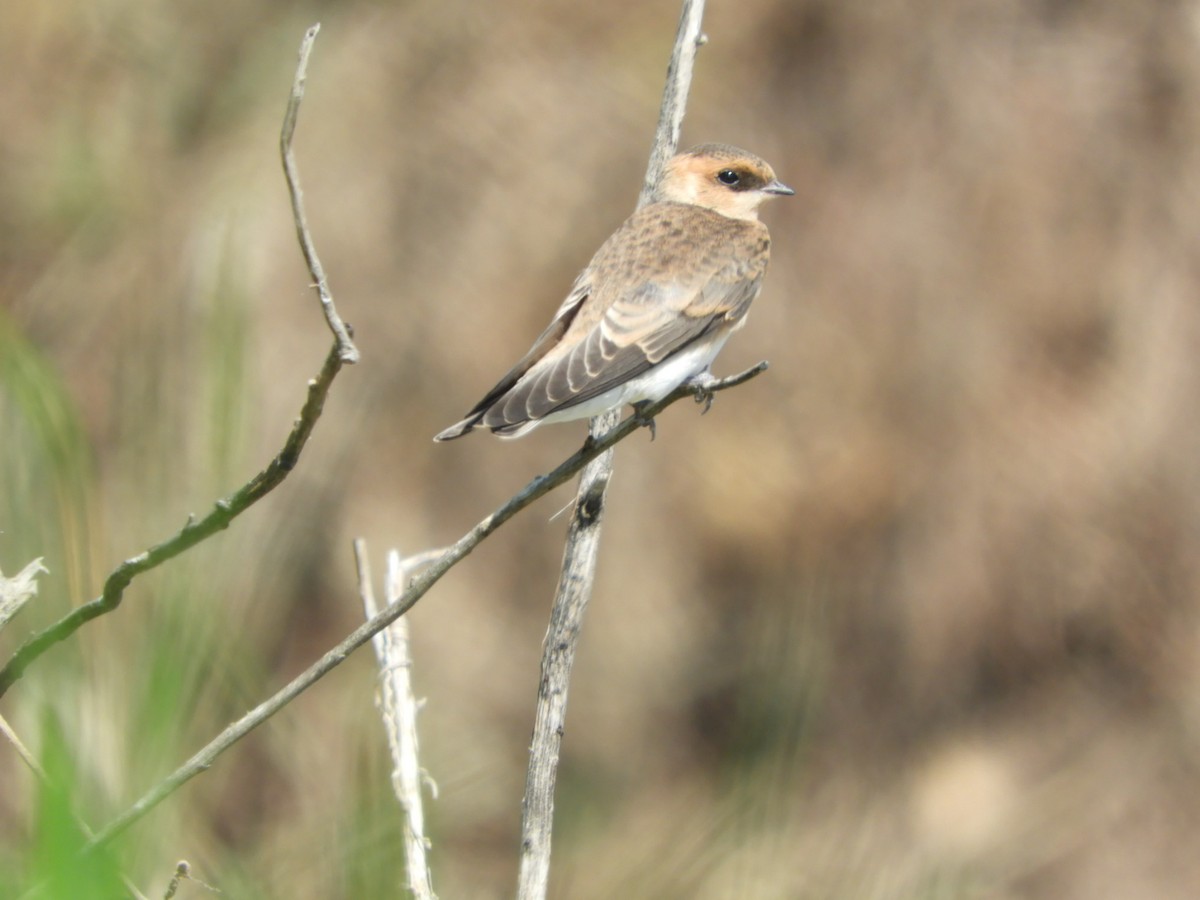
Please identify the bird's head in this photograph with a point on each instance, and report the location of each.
(724, 179)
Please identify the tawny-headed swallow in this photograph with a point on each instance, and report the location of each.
(653, 307)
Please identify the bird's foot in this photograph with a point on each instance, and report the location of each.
(701, 384)
(648, 422)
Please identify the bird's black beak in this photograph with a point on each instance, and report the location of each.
(778, 187)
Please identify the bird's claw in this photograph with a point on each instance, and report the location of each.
(701, 385)
(647, 421)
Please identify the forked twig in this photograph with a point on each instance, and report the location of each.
(225, 510)
(398, 709)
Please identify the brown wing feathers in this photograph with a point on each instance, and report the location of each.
(659, 283)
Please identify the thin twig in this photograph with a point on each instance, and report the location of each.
(583, 535)
(183, 872)
(193, 532)
(227, 509)
(398, 709)
(347, 352)
(415, 590)
(6, 731)
(15, 592)
(688, 39)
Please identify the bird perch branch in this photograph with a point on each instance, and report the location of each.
(417, 588)
(583, 535)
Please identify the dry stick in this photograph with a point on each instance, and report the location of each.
(347, 352)
(227, 509)
(688, 39)
(397, 694)
(28, 758)
(398, 709)
(416, 589)
(583, 535)
(183, 872)
(15, 592)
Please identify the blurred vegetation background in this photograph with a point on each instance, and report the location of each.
(915, 615)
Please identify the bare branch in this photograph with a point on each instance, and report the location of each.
(183, 872)
(193, 532)
(15, 592)
(688, 39)
(398, 709)
(347, 352)
(416, 589)
(28, 758)
(227, 509)
(583, 535)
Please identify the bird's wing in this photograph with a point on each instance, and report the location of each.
(641, 325)
(546, 341)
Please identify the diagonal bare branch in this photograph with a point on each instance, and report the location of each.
(225, 510)
(417, 588)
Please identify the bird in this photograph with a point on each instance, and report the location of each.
(654, 306)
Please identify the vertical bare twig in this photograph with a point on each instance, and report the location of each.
(688, 39)
(583, 535)
(398, 709)
(226, 509)
(347, 352)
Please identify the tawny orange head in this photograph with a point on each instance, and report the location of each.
(724, 179)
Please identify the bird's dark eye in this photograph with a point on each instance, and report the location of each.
(728, 176)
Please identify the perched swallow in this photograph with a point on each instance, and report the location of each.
(654, 306)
